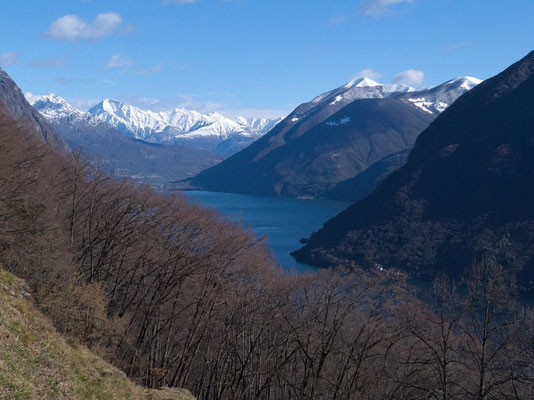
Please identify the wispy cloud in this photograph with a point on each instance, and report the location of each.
(47, 63)
(61, 80)
(125, 63)
(148, 71)
(9, 58)
(368, 73)
(337, 20)
(379, 7)
(119, 61)
(64, 81)
(461, 45)
(84, 104)
(126, 29)
(410, 77)
(194, 102)
(72, 28)
(180, 1)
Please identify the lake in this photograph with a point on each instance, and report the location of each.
(283, 220)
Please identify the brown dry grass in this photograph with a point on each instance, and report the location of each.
(36, 362)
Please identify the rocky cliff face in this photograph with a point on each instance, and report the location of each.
(12, 100)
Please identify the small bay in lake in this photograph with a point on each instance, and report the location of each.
(284, 221)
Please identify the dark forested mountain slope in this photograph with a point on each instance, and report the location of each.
(15, 105)
(466, 190)
(332, 138)
(358, 187)
(332, 151)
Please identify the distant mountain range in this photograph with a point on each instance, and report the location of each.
(212, 132)
(119, 154)
(465, 193)
(333, 138)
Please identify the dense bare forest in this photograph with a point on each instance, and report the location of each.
(175, 296)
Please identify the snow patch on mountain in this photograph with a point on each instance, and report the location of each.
(429, 106)
(342, 121)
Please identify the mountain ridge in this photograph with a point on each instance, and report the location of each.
(213, 131)
(353, 112)
(464, 193)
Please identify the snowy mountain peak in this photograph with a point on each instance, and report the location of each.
(466, 82)
(53, 107)
(469, 79)
(262, 125)
(216, 115)
(50, 97)
(362, 82)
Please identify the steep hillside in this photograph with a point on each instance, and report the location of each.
(15, 105)
(465, 192)
(358, 187)
(36, 362)
(333, 138)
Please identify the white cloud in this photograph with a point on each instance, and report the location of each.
(9, 58)
(119, 61)
(368, 73)
(378, 7)
(410, 77)
(73, 28)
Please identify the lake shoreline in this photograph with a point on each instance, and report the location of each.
(283, 220)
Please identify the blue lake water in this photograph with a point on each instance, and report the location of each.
(284, 221)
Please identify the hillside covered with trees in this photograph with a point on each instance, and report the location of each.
(466, 192)
(173, 295)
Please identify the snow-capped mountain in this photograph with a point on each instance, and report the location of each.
(119, 154)
(56, 110)
(213, 132)
(333, 138)
(432, 99)
(436, 99)
(261, 125)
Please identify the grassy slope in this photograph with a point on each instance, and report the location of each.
(36, 362)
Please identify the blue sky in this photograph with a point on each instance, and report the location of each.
(251, 57)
